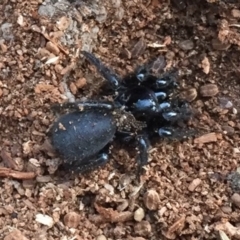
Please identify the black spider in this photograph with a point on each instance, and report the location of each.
(142, 108)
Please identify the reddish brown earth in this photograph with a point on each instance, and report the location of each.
(187, 192)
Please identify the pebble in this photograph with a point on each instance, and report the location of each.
(143, 228)
(139, 215)
(189, 94)
(236, 199)
(44, 219)
(226, 209)
(194, 184)
(228, 130)
(209, 90)
(151, 199)
(186, 45)
(225, 103)
(101, 237)
(72, 219)
(52, 48)
(15, 234)
(81, 82)
(218, 45)
(236, 13)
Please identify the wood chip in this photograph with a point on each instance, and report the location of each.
(194, 184)
(44, 220)
(205, 64)
(178, 225)
(112, 215)
(209, 137)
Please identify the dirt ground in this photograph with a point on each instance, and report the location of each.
(190, 189)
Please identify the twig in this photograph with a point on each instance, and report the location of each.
(7, 172)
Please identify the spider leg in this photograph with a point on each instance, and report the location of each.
(86, 165)
(142, 147)
(177, 111)
(175, 132)
(161, 95)
(167, 81)
(107, 73)
(88, 105)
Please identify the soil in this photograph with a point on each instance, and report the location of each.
(190, 189)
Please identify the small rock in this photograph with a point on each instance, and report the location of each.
(4, 47)
(218, 45)
(135, 238)
(52, 48)
(15, 235)
(80, 83)
(186, 45)
(143, 228)
(139, 215)
(194, 184)
(101, 237)
(44, 179)
(58, 68)
(46, 10)
(205, 64)
(73, 88)
(226, 209)
(71, 219)
(151, 199)
(234, 179)
(236, 13)
(235, 111)
(119, 14)
(228, 130)
(7, 31)
(43, 53)
(236, 150)
(45, 220)
(209, 90)
(189, 94)
(225, 103)
(236, 199)
(63, 23)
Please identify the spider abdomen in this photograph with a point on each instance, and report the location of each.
(78, 136)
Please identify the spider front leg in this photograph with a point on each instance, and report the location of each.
(107, 73)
